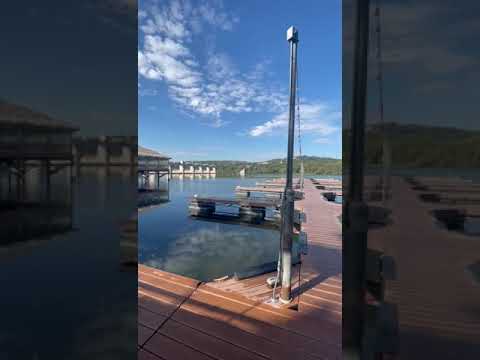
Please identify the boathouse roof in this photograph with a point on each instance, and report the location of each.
(14, 115)
(142, 151)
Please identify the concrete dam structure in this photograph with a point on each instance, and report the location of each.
(194, 170)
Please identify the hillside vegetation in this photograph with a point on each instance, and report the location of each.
(421, 146)
(313, 165)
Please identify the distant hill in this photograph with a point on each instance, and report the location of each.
(422, 146)
(312, 164)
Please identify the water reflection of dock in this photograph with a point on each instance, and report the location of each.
(231, 318)
(148, 198)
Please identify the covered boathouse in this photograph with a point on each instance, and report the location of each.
(152, 165)
(34, 148)
(151, 161)
(30, 139)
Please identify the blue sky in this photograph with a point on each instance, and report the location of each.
(213, 78)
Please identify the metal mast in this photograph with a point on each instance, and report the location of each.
(288, 196)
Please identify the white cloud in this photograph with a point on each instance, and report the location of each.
(315, 118)
(322, 140)
(210, 89)
(279, 121)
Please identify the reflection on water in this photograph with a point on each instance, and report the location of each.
(170, 240)
(65, 278)
(212, 252)
(31, 211)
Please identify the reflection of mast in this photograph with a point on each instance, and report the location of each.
(386, 150)
(355, 218)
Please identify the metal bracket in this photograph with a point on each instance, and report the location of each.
(303, 238)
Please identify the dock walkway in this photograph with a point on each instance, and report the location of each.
(434, 293)
(182, 318)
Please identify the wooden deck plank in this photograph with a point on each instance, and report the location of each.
(168, 276)
(150, 319)
(166, 285)
(143, 334)
(159, 293)
(214, 310)
(170, 349)
(245, 305)
(206, 344)
(333, 352)
(155, 303)
(145, 355)
(269, 319)
(269, 348)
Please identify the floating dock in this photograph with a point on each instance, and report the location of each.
(248, 210)
(275, 185)
(326, 182)
(331, 195)
(275, 193)
(184, 318)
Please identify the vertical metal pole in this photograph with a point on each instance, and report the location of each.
(288, 200)
(18, 180)
(356, 211)
(9, 182)
(72, 184)
(46, 179)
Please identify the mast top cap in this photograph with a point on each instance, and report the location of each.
(292, 34)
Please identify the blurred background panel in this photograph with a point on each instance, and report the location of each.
(419, 177)
(68, 149)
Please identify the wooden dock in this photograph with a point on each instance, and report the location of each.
(437, 301)
(276, 193)
(258, 202)
(275, 185)
(326, 182)
(182, 318)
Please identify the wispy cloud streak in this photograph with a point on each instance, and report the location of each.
(212, 88)
(316, 118)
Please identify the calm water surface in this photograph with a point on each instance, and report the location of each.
(52, 282)
(171, 240)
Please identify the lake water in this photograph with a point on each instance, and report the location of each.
(62, 291)
(171, 240)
